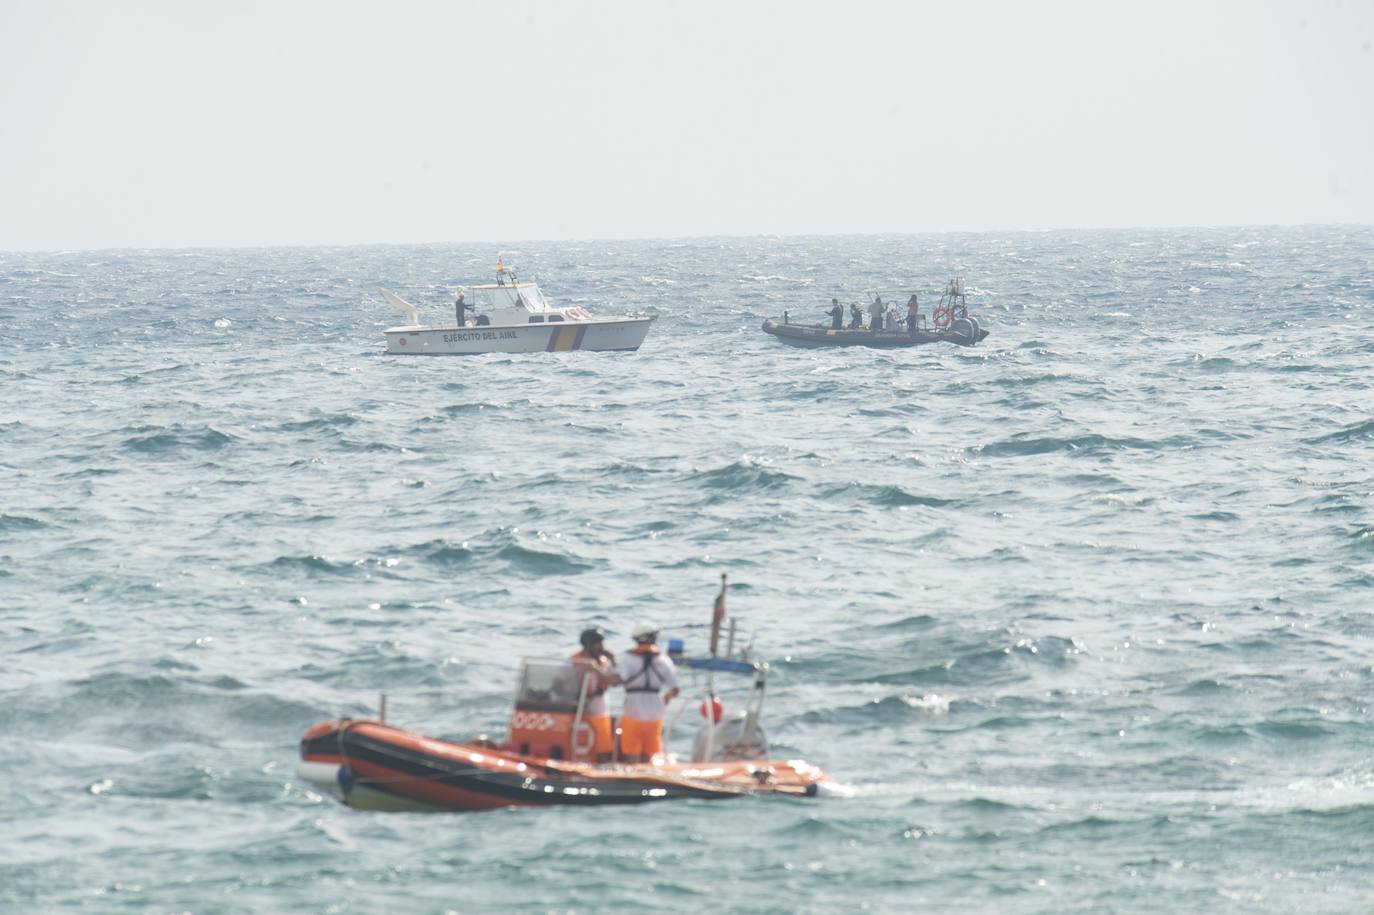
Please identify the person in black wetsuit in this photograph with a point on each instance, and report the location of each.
(836, 314)
(856, 316)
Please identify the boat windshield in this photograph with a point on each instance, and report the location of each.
(500, 298)
(548, 684)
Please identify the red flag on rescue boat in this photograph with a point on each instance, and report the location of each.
(717, 614)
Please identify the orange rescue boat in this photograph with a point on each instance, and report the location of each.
(548, 757)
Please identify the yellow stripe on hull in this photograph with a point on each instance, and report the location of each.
(565, 338)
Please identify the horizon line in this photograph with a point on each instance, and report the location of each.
(680, 238)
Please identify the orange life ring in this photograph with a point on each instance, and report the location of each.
(943, 315)
(960, 310)
(580, 748)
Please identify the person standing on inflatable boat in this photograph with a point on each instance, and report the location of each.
(646, 675)
(596, 664)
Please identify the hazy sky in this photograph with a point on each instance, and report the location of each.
(232, 123)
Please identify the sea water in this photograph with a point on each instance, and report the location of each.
(1082, 614)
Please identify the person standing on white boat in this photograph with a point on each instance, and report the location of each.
(461, 307)
(650, 681)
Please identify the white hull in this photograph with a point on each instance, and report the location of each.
(599, 335)
(324, 777)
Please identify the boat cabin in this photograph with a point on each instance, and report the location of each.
(507, 303)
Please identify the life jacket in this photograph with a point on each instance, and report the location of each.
(648, 652)
(599, 684)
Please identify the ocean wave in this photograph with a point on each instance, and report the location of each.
(885, 711)
(1030, 381)
(982, 805)
(918, 623)
(887, 496)
(461, 409)
(139, 711)
(164, 439)
(1223, 734)
(929, 675)
(1215, 516)
(311, 566)
(1204, 687)
(445, 554)
(1354, 432)
(19, 523)
(768, 278)
(156, 374)
(1304, 731)
(707, 561)
(1019, 446)
(1097, 826)
(743, 476)
(527, 561)
(622, 472)
(1335, 504)
(372, 447)
(335, 421)
(991, 664)
(814, 827)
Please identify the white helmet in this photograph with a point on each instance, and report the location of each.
(644, 631)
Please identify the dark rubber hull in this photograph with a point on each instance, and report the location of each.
(963, 332)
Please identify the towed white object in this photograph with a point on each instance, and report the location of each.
(511, 317)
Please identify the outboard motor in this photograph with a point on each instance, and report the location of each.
(738, 737)
(965, 331)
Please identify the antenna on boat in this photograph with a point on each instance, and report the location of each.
(718, 615)
(402, 306)
(381, 709)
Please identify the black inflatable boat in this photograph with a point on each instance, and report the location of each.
(951, 320)
(961, 331)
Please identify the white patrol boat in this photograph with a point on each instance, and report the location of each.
(510, 316)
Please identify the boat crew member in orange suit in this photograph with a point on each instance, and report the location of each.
(650, 681)
(597, 664)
